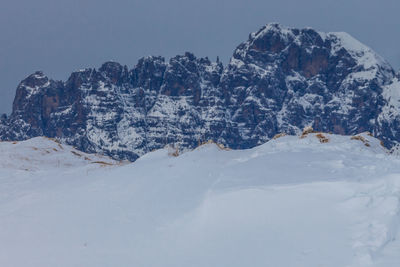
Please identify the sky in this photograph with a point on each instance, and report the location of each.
(59, 36)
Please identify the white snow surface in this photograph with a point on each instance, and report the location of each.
(290, 202)
(391, 93)
(373, 65)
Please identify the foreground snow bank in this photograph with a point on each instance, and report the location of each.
(290, 202)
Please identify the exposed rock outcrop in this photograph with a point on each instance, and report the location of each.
(279, 81)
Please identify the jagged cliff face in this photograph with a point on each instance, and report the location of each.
(280, 80)
(123, 113)
(284, 79)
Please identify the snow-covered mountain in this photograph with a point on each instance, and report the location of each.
(315, 200)
(280, 80)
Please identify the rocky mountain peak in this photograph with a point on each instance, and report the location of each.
(114, 71)
(78, 78)
(28, 89)
(34, 82)
(280, 80)
(148, 73)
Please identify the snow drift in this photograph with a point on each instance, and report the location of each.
(290, 202)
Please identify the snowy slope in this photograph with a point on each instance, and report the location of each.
(290, 202)
(43, 154)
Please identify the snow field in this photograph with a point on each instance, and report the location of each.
(290, 202)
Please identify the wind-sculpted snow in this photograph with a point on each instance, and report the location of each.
(280, 80)
(294, 201)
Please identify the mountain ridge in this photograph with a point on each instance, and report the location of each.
(280, 80)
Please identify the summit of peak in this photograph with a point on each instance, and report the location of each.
(271, 28)
(36, 79)
(110, 66)
(37, 75)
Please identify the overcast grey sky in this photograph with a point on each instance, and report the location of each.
(59, 36)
